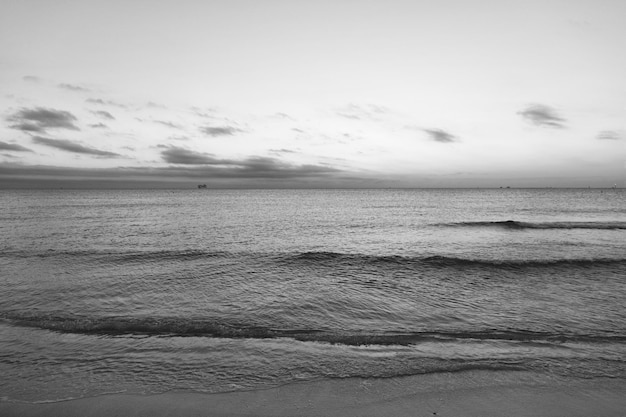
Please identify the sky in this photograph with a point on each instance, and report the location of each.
(325, 93)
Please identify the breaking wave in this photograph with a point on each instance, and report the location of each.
(316, 258)
(446, 261)
(173, 326)
(513, 224)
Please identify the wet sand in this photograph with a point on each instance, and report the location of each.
(443, 395)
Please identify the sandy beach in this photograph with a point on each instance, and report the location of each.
(468, 394)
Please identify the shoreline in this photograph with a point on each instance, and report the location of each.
(475, 393)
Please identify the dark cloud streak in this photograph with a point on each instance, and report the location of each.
(176, 155)
(4, 146)
(168, 124)
(103, 114)
(69, 146)
(72, 87)
(264, 167)
(257, 173)
(102, 102)
(280, 151)
(252, 167)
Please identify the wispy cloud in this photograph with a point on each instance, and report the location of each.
(542, 115)
(281, 115)
(102, 102)
(31, 79)
(439, 135)
(4, 146)
(69, 146)
(103, 114)
(208, 113)
(99, 126)
(39, 119)
(609, 135)
(179, 137)
(168, 124)
(361, 112)
(220, 130)
(153, 105)
(281, 151)
(72, 87)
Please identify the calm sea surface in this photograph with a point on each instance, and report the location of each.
(211, 291)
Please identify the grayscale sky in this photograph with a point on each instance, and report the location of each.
(341, 93)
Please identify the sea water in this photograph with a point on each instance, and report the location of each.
(148, 291)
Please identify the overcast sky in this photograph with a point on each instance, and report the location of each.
(341, 93)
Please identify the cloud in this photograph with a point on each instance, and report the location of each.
(252, 167)
(99, 126)
(153, 105)
(439, 135)
(103, 114)
(265, 167)
(608, 135)
(72, 87)
(168, 124)
(280, 151)
(39, 119)
(178, 137)
(358, 112)
(31, 79)
(281, 115)
(253, 172)
(96, 101)
(542, 115)
(102, 102)
(219, 130)
(176, 155)
(4, 146)
(208, 113)
(69, 146)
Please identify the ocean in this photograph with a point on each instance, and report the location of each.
(153, 291)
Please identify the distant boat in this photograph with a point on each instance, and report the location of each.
(201, 185)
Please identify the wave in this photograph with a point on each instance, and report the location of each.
(513, 224)
(319, 258)
(172, 326)
(333, 258)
